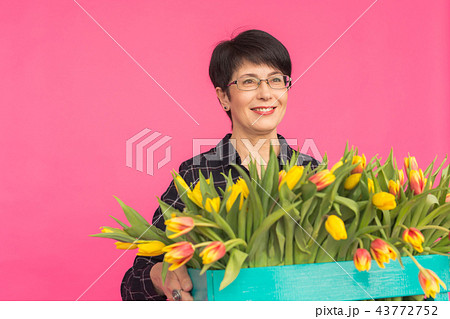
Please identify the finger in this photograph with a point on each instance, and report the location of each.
(186, 296)
(183, 277)
(172, 283)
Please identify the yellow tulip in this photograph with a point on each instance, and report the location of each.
(106, 230)
(370, 185)
(125, 246)
(336, 166)
(429, 282)
(240, 187)
(150, 248)
(196, 195)
(292, 177)
(384, 201)
(394, 187)
(352, 181)
(335, 227)
(401, 176)
(212, 205)
(183, 184)
(362, 163)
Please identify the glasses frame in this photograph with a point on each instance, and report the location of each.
(265, 80)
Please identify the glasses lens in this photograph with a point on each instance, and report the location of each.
(248, 83)
(279, 81)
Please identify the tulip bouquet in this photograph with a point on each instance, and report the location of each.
(355, 210)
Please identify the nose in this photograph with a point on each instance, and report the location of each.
(264, 90)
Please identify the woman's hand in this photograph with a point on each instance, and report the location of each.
(177, 279)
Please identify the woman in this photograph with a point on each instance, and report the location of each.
(251, 75)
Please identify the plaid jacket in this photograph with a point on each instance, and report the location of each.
(136, 284)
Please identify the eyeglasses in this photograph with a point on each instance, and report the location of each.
(249, 83)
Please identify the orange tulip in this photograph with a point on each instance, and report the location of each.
(322, 179)
(415, 238)
(213, 252)
(362, 259)
(447, 198)
(382, 252)
(417, 181)
(410, 162)
(394, 187)
(179, 225)
(430, 282)
(362, 164)
(178, 254)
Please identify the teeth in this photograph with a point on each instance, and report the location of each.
(264, 109)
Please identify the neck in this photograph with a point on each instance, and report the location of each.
(255, 146)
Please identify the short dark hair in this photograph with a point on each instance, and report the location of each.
(255, 46)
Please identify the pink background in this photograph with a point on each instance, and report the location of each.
(70, 98)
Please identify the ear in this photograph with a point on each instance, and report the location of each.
(223, 98)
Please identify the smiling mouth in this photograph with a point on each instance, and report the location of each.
(264, 109)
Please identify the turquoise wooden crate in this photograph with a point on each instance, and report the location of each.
(324, 281)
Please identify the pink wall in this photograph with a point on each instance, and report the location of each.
(70, 98)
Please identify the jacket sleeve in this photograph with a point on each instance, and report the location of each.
(136, 284)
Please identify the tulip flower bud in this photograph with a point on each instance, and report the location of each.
(179, 225)
(106, 230)
(362, 259)
(212, 205)
(430, 282)
(415, 238)
(394, 187)
(281, 176)
(384, 201)
(196, 195)
(447, 198)
(292, 177)
(336, 166)
(401, 177)
(150, 248)
(125, 246)
(362, 164)
(352, 181)
(370, 185)
(335, 227)
(213, 252)
(183, 184)
(410, 162)
(322, 179)
(240, 187)
(178, 254)
(417, 181)
(382, 252)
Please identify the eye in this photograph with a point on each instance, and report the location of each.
(249, 81)
(277, 79)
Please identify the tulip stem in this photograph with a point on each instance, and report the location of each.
(413, 259)
(361, 245)
(434, 227)
(206, 243)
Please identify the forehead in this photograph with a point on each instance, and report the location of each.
(252, 69)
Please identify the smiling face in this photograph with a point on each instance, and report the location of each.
(256, 112)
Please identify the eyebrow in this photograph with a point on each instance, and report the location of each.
(255, 75)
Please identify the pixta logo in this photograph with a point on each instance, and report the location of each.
(142, 142)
